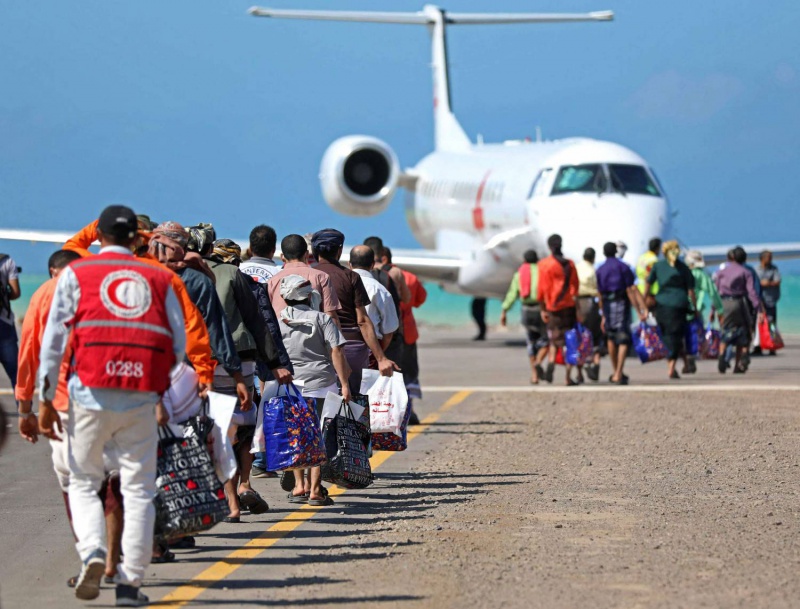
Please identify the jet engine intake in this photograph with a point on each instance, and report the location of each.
(359, 175)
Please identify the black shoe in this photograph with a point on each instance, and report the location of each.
(757, 351)
(480, 337)
(773, 353)
(548, 376)
(722, 365)
(593, 372)
(540, 372)
(130, 596)
(413, 419)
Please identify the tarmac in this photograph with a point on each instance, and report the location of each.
(508, 495)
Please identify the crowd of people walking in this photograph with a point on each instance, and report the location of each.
(668, 289)
(118, 342)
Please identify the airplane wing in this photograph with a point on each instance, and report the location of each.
(714, 254)
(35, 236)
(429, 265)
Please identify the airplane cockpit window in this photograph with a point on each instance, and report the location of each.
(580, 178)
(632, 179)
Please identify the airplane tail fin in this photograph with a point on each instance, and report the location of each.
(449, 134)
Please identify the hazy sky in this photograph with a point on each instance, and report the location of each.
(196, 111)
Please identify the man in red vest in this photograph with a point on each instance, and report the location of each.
(125, 326)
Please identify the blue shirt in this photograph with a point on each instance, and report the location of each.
(614, 276)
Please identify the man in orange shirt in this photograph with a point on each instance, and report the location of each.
(29, 346)
(198, 345)
(556, 292)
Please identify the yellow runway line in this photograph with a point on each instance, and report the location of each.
(253, 548)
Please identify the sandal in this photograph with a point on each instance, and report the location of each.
(253, 501)
(321, 502)
(72, 581)
(297, 498)
(232, 519)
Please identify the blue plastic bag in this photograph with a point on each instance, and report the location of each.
(694, 337)
(579, 346)
(292, 432)
(648, 344)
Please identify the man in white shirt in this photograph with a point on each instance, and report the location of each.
(261, 267)
(381, 309)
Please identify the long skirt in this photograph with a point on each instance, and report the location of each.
(736, 327)
(672, 323)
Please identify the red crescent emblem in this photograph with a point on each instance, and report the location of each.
(112, 292)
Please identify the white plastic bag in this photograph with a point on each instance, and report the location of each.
(388, 401)
(220, 408)
(368, 378)
(331, 405)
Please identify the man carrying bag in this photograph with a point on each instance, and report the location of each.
(126, 328)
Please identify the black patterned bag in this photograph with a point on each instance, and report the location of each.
(190, 497)
(345, 442)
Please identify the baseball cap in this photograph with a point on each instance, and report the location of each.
(118, 221)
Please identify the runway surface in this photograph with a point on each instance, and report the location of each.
(660, 494)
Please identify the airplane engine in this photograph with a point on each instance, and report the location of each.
(359, 175)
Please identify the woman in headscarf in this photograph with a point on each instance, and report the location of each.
(675, 296)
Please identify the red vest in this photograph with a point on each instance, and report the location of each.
(121, 334)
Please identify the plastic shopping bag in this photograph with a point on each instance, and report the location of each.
(332, 404)
(694, 337)
(292, 432)
(771, 339)
(346, 443)
(390, 441)
(648, 344)
(388, 403)
(190, 496)
(579, 346)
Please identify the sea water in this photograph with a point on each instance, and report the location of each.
(452, 310)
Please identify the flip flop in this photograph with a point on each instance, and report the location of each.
(253, 501)
(321, 502)
(297, 498)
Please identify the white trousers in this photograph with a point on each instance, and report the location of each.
(60, 454)
(133, 436)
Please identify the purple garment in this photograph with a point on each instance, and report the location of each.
(735, 280)
(614, 276)
(356, 353)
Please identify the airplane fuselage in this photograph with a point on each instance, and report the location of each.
(498, 200)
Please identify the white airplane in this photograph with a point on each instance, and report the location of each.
(477, 207)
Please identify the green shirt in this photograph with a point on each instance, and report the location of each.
(513, 290)
(674, 283)
(706, 293)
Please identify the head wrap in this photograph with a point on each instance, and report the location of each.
(671, 251)
(174, 232)
(201, 238)
(228, 251)
(145, 223)
(621, 248)
(295, 287)
(327, 240)
(694, 259)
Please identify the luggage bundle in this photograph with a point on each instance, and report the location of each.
(292, 432)
(579, 346)
(190, 497)
(648, 344)
(346, 440)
